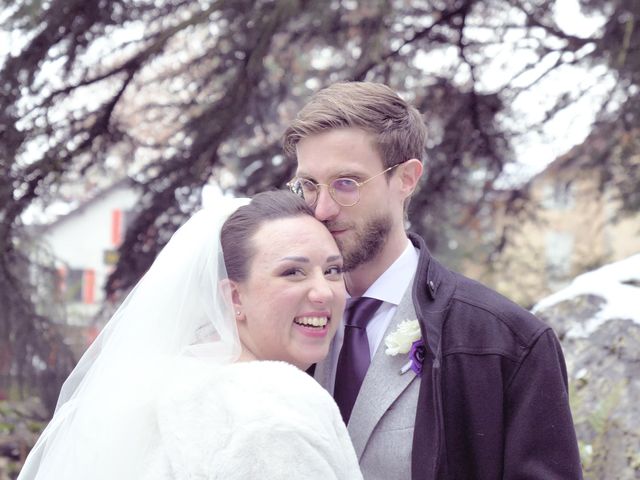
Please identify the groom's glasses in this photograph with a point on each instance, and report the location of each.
(344, 191)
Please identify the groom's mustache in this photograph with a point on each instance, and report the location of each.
(336, 226)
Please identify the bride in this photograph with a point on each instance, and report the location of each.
(199, 374)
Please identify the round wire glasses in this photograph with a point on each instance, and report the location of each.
(344, 191)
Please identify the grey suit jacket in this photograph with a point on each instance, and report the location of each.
(382, 421)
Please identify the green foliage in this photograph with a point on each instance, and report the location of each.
(597, 426)
(21, 423)
(6, 428)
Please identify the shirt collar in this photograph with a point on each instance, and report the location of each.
(394, 281)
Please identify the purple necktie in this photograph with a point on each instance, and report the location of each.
(354, 358)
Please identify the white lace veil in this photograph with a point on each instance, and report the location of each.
(103, 427)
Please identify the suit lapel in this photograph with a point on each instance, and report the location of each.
(382, 384)
(322, 373)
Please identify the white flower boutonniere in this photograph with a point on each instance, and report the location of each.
(407, 338)
(401, 340)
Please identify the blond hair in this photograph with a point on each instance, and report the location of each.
(397, 127)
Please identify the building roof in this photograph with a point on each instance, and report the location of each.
(124, 183)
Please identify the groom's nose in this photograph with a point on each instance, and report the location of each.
(326, 207)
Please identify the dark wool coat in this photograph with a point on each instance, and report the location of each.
(493, 398)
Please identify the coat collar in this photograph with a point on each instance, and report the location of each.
(433, 290)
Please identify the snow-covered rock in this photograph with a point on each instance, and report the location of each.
(597, 318)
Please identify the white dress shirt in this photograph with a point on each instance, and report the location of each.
(390, 288)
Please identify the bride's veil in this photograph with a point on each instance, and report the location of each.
(103, 426)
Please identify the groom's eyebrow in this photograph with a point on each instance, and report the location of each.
(334, 258)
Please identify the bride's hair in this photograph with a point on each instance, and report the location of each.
(239, 229)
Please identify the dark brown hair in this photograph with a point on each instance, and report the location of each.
(239, 229)
(398, 128)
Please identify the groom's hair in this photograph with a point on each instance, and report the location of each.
(238, 231)
(397, 127)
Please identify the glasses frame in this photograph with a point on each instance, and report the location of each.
(332, 190)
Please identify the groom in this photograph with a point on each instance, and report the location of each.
(487, 395)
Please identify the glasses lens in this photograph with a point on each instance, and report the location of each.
(295, 187)
(345, 191)
(305, 189)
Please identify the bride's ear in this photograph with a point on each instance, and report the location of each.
(232, 291)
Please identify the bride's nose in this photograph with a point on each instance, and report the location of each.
(320, 290)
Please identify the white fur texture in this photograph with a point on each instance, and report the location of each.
(250, 420)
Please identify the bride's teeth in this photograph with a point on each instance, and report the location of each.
(312, 321)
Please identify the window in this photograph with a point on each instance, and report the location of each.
(76, 285)
(559, 253)
(120, 220)
(558, 195)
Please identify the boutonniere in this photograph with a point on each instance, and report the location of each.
(407, 338)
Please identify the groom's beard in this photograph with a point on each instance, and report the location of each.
(364, 242)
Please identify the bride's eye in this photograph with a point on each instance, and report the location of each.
(293, 272)
(334, 270)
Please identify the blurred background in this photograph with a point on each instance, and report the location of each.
(118, 118)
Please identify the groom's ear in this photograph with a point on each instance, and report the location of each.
(410, 173)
